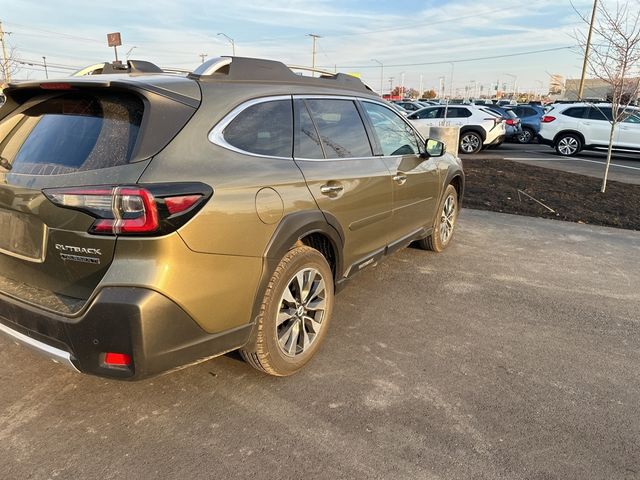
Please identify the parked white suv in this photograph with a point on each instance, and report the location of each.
(570, 128)
(479, 126)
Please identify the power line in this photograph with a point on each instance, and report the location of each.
(475, 59)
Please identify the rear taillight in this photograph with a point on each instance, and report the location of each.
(510, 121)
(547, 119)
(117, 360)
(134, 210)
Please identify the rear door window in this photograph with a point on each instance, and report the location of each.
(575, 112)
(340, 127)
(604, 114)
(263, 129)
(307, 141)
(72, 133)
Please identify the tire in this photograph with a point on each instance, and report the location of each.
(470, 142)
(284, 323)
(526, 136)
(444, 224)
(568, 144)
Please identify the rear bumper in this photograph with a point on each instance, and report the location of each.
(156, 333)
(545, 141)
(496, 141)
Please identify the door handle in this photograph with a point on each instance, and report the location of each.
(400, 179)
(331, 189)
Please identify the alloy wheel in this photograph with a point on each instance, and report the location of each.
(301, 312)
(447, 219)
(469, 143)
(525, 136)
(568, 145)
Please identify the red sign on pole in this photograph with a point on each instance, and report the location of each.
(114, 39)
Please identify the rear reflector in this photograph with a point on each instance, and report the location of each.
(548, 119)
(112, 359)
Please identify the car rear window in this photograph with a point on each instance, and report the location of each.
(264, 129)
(71, 133)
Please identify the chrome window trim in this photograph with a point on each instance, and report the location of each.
(216, 135)
(55, 354)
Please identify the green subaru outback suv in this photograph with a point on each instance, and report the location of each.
(150, 221)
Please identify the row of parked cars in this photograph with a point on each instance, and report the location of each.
(481, 125)
(567, 127)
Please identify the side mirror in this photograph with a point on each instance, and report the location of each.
(435, 148)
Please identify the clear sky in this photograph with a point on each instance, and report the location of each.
(411, 37)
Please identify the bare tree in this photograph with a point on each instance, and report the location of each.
(615, 59)
(10, 65)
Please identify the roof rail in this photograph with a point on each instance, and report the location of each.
(257, 69)
(132, 66)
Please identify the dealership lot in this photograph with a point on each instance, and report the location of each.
(624, 167)
(513, 355)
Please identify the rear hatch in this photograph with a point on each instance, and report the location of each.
(56, 137)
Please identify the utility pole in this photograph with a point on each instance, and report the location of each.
(390, 85)
(421, 87)
(46, 72)
(233, 44)
(203, 56)
(402, 86)
(586, 50)
(5, 58)
(313, 52)
(381, 74)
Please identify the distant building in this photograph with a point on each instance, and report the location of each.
(594, 89)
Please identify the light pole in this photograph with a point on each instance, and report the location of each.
(203, 56)
(233, 44)
(515, 83)
(402, 85)
(46, 72)
(586, 50)
(128, 54)
(313, 53)
(381, 74)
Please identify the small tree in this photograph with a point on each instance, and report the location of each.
(429, 94)
(615, 59)
(10, 66)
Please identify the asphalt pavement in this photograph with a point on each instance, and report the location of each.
(624, 167)
(512, 355)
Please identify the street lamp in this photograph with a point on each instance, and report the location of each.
(233, 44)
(128, 54)
(402, 85)
(46, 72)
(515, 83)
(381, 74)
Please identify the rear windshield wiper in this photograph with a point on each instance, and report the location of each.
(4, 163)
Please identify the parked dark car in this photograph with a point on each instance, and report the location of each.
(530, 116)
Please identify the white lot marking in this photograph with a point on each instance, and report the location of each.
(567, 159)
